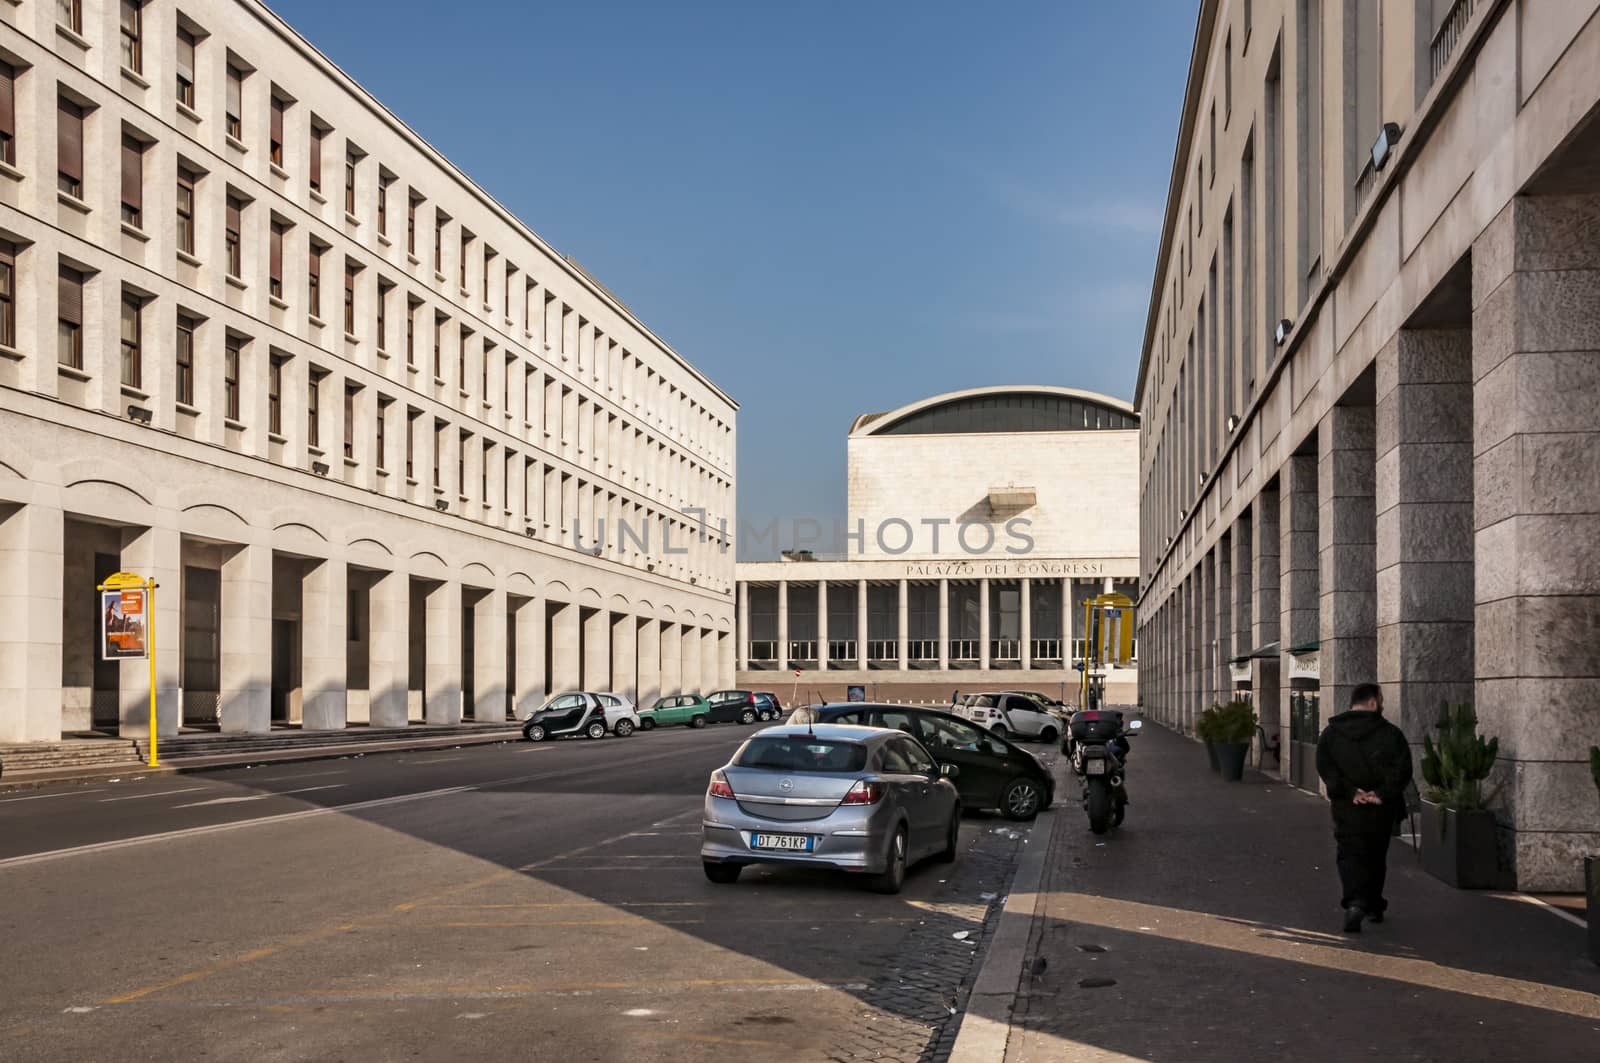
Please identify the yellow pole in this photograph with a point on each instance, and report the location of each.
(150, 645)
(1088, 639)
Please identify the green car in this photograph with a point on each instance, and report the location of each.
(688, 709)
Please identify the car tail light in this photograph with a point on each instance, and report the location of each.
(863, 793)
(719, 786)
(752, 699)
(1091, 715)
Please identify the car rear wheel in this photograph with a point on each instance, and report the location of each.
(698, 721)
(952, 839)
(1021, 800)
(1049, 735)
(721, 874)
(999, 730)
(623, 729)
(596, 729)
(647, 724)
(747, 717)
(893, 875)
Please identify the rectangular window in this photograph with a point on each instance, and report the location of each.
(314, 410)
(438, 242)
(488, 258)
(275, 132)
(349, 298)
(438, 348)
(1310, 155)
(132, 367)
(232, 355)
(380, 461)
(275, 260)
(69, 318)
(382, 323)
(8, 296)
(461, 463)
(411, 445)
(275, 395)
(1227, 78)
(383, 206)
(69, 148)
(462, 270)
(133, 35)
(1247, 267)
(314, 280)
(317, 135)
(1272, 215)
(132, 181)
(231, 237)
(438, 454)
(186, 44)
(411, 225)
(350, 160)
(184, 360)
(350, 423)
(411, 334)
(185, 209)
(235, 109)
(8, 115)
(70, 14)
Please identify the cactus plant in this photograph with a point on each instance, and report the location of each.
(1456, 767)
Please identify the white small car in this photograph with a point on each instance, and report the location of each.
(622, 716)
(1010, 715)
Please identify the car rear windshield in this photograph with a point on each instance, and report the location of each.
(983, 701)
(801, 753)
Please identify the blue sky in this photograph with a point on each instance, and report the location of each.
(829, 207)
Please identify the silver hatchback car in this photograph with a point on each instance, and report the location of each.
(860, 799)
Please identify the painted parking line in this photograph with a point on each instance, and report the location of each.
(46, 797)
(158, 793)
(259, 797)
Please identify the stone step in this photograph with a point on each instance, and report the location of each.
(44, 756)
(185, 746)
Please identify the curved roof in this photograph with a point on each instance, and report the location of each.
(1052, 408)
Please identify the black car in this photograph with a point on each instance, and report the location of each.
(733, 706)
(567, 714)
(768, 707)
(994, 772)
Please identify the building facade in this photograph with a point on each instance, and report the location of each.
(389, 455)
(1369, 394)
(978, 523)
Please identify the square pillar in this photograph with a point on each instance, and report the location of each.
(1347, 546)
(489, 657)
(154, 552)
(324, 629)
(783, 625)
(649, 661)
(725, 675)
(528, 626)
(1265, 617)
(1222, 634)
(709, 661)
(744, 626)
(596, 650)
(944, 624)
(1299, 596)
(983, 625)
(32, 575)
(442, 667)
(822, 625)
(671, 659)
(861, 625)
(389, 668)
(624, 655)
(1025, 622)
(689, 649)
(1066, 622)
(244, 704)
(902, 630)
(565, 666)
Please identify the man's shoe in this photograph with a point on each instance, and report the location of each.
(1376, 917)
(1353, 916)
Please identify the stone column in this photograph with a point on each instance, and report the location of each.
(1347, 542)
(671, 659)
(822, 625)
(1299, 595)
(596, 650)
(944, 624)
(1265, 616)
(153, 552)
(489, 657)
(649, 661)
(1424, 525)
(32, 570)
(1025, 622)
(1222, 634)
(902, 631)
(624, 655)
(324, 629)
(565, 664)
(1206, 645)
(390, 662)
(861, 625)
(709, 677)
(1536, 517)
(245, 701)
(983, 625)
(743, 649)
(783, 625)
(530, 692)
(442, 671)
(725, 674)
(1066, 623)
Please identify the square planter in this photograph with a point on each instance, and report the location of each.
(1460, 849)
(1231, 757)
(1591, 881)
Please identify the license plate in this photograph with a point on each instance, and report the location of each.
(787, 842)
(1094, 767)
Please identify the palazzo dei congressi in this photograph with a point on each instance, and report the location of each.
(260, 342)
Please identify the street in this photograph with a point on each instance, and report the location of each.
(506, 901)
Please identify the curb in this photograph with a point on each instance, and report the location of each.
(981, 1039)
(224, 761)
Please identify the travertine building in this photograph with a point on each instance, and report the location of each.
(1369, 391)
(389, 455)
(978, 523)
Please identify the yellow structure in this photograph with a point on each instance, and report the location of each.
(128, 581)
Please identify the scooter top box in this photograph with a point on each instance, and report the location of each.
(1096, 726)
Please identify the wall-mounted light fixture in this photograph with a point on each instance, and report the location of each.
(440, 504)
(139, 413)
(320, 468)
(1233, 423)
(1383, 147)
(1280, 335)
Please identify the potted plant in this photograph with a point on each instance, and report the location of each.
(1235, 727)
(1205, 729)
(1459, 836)
(1591, 871)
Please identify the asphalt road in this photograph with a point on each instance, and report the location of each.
(510, 901)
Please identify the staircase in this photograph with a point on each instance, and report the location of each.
(192, 746)
(69, 755)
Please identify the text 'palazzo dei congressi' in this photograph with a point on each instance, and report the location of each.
(261, 342)
(978, 523)
(1370, 389)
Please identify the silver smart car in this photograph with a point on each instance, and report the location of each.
(860, 799)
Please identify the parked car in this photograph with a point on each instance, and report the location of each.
(730, 706)
(1044, 701)
(995, 773)
(768, 707)
(691, 710)
(621, 714)
(858, 799)
(567, 715)
(1010, 714)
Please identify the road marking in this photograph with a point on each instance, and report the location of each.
(259, 797)
(1559, 913)
(437, 760)
(46, 797)
(263, 777)
(159, 793)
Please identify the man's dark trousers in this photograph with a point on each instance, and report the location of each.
(1363, 858)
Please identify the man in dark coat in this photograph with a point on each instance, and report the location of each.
(1365, 761)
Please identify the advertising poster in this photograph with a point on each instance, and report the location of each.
(856, 693)
(122, 625)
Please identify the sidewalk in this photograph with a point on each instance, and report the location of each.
(1207, 928)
